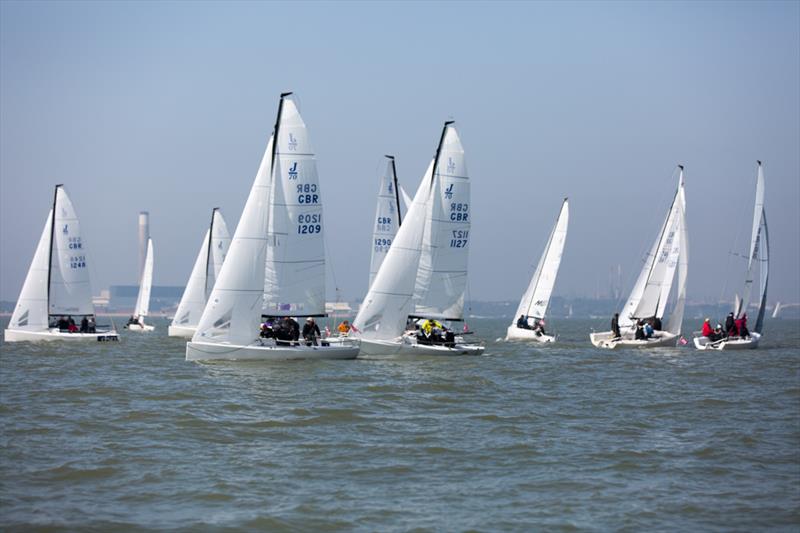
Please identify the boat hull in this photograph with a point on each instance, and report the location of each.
(141, 328)
(606, 340)
(20, 335)
(181, 331)
(403, 347)
(703, 343)
(519, 334)
(207, 351)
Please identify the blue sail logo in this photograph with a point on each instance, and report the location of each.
(448, 192)
(293, 171)
(65, 231)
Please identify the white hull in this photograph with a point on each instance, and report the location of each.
(139, 327)
(606, 340)
(182, 331)
(269, 351)
(519, 334)
(409, 346)
(20, 335)
(733, 343)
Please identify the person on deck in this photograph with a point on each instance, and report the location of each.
(92, 325)
(639, 335)
(344, 328)
(311, 332)
(538, 327)
(72, 327)
(85, 325)
(522, 322)
(707, 331)
(648, 329)
(741, 326)
(730, 326)
(615, 326)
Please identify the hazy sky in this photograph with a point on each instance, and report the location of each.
(167, 107)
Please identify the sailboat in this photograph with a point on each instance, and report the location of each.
(757, 263)
(534, 302)
(276, 261)
(56, 299)
(649, 297)
(136, 322)
(424, 274)
(205, 272)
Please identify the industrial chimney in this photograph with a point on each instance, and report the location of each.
(144, 235)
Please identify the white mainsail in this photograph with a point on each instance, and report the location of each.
(204, 274)
(650, 293)
(145, 284)
(31, 310)
(758, 258)
(294, 282)
(70, 290)
(537, 297)
(387, 218)
(442, 273)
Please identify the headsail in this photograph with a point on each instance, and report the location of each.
(295, 264)
(146, 283)
(537, 297)
(31, 310)
(387, 217)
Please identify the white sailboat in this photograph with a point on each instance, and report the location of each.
(276, 262)
(650, 294)
(757, 264)
(387, 217)
(534, 303)
(136, 322)
(424, 273)
(56, 296)
(205, 272)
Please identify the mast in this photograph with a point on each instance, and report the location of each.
(439, 149)
(275, 135)
(396, 190)
(208, 248)
(50, 253)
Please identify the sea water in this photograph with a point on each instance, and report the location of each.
(128, 435)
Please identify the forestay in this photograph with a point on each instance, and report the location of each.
(295, 264)
(387, 218)
(537, 297)
(146, 283)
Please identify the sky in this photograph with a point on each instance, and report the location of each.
(167, 107)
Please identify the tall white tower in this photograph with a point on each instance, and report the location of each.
(144, 235)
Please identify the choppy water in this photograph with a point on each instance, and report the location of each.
(567, 437)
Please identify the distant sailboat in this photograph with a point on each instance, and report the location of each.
(757, 263)
(534, 302)
(424, 275)
(276, 262)
(650, 294)
(57, 287)
(142, 309)
(201, 281)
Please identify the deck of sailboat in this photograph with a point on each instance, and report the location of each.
(731, 343)
(266, 351)
(605, 339)
(50, 335)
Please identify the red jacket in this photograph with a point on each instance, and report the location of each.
(707, 329)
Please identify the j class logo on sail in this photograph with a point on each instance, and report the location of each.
(75, 243)
(307, 193)
(383, 224)
(391, 188)
(448, 192)
(382, 245)
(292, 143)
(77, 261)
(293, 171)
(65, 230)
(309, 223)
(458, 212)
(460, 238)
